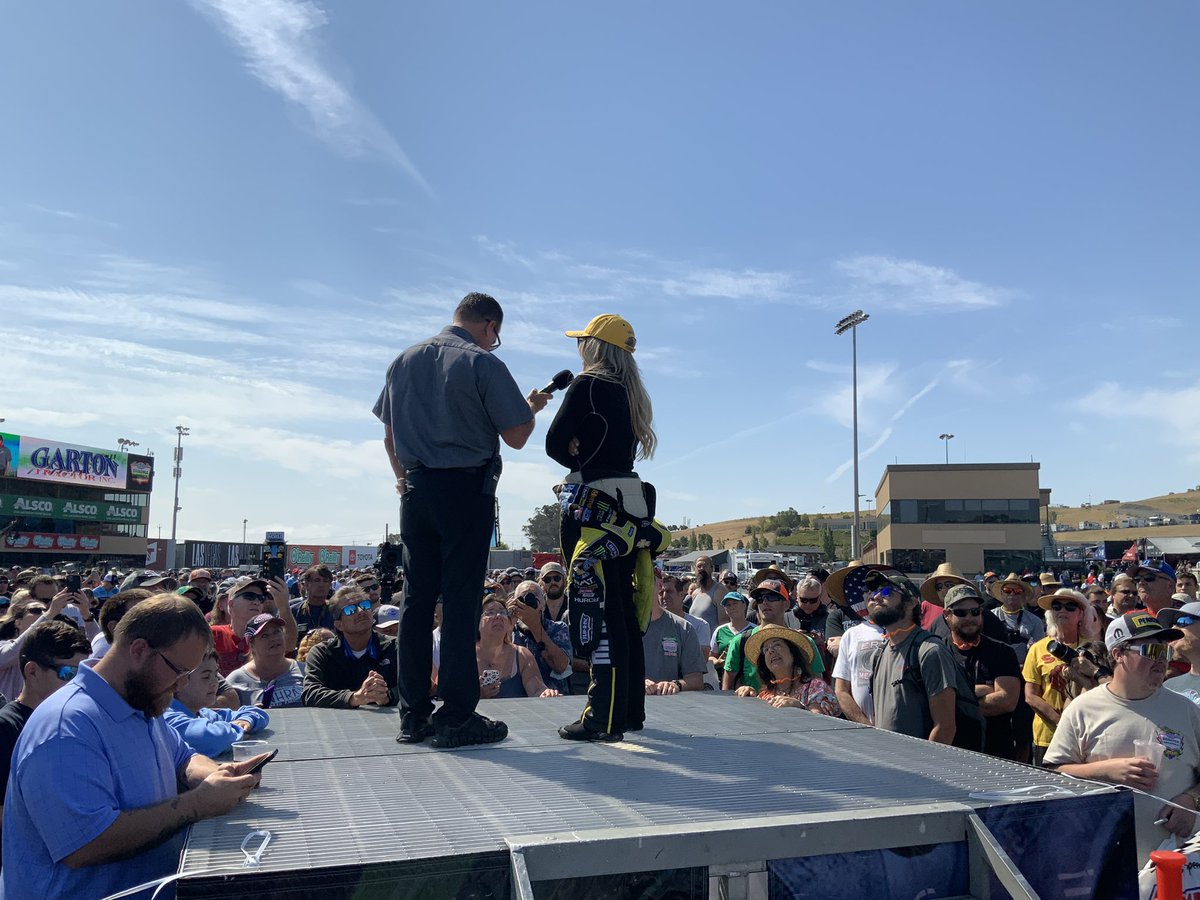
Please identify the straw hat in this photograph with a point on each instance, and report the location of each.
(1048, 580)
(1063, 595)
(764, 633)
(944, 572)
(1013, 579)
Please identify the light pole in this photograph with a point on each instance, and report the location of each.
(125, 444)
(244, 521)
(945, 438)
(182, 432)
(850, 323)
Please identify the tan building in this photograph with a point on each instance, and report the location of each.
(978, 517)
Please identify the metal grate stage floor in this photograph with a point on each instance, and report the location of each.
(343, 796)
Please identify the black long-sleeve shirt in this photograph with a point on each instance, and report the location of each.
(332, 673)
(597, 413)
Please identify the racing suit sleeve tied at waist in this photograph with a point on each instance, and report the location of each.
(610, 527)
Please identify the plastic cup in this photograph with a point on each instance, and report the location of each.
(243, 750)
(1151, 750)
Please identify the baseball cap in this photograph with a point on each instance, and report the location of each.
(1181, 617)
(734, 595)
(1158, 567)
(773, 586)
(247, 581)
(959, 593)
(611, 329)
(200, 573)
(191, 591)
(1139, 624)
(387, 616)
(552, 567)
(255, 626)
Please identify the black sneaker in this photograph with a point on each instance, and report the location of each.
(577, 731)
(476, 730)
(414, 729)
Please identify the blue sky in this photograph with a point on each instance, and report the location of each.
(234, 214)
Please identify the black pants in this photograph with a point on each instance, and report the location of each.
(617, 682)
(446, 526)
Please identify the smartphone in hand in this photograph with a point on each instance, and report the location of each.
(258, 766)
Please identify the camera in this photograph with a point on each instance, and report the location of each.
(387, 565)
(1059, 650)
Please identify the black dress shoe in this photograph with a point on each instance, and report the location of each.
(476, 730)
(577, 731)
(414, 730)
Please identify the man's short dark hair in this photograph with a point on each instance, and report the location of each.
(162, 621)
(319, 569)
(48, 642)
(674, 580)
(477, 308)
(38, 580)
(114, 609)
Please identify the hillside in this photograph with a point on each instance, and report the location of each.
(727, 533)
(1175, 505)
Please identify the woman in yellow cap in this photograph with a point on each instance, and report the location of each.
(604, 422)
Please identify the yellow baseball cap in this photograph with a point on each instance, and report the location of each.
(610, 329)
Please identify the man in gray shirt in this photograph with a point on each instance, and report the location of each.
(674, 662)
(446, 404)
(921, 705)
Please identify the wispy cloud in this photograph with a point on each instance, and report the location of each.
(909, 286)
(279, 40)
(70, 215)
(505, 250)
(889, 429)
(745, 285)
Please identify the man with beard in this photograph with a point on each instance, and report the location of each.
(706, 601)
(553, 579)
(94, 791)
(915, 681)
(1132, 732)
(991, 668)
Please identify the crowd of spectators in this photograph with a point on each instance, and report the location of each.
(166, 672)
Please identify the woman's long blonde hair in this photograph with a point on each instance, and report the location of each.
(611, 363)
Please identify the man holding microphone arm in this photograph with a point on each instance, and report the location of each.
(445, 406)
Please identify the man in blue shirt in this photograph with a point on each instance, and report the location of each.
(93, 804)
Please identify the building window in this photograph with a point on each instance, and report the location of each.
(917, 560)
(1004, 561)
(960, 512)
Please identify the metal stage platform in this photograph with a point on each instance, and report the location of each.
(718, 794)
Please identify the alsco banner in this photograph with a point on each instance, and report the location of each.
(40, 459)
(79, 510)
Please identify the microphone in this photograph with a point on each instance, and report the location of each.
(561, 380)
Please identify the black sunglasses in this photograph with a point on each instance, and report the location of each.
(1064, 607)
(972, 613)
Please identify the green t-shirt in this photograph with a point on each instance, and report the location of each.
(724, 636)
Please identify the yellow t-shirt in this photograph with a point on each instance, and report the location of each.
(1047, 672)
